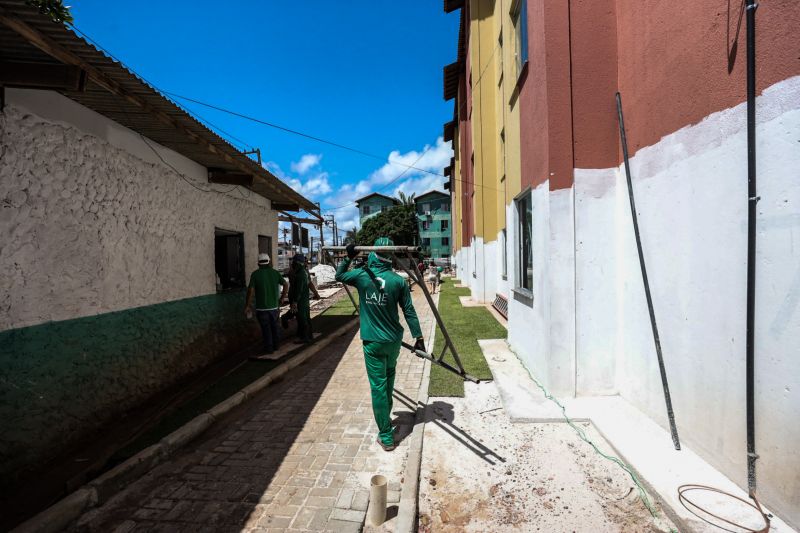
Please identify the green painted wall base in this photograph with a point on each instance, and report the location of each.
(61, 381)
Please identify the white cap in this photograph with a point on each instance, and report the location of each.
(263, 259)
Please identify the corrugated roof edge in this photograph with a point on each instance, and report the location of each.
(11, 8)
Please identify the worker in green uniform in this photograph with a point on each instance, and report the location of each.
(381, 292)
(264, 284)
(299, 298)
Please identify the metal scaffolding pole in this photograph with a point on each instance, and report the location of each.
(416, 276)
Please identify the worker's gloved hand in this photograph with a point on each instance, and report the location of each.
(248, 313)
(351, 251)
(420, 345)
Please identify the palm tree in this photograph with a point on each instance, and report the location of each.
(350, 236)
(406, 199)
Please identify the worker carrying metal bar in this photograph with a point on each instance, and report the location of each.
(380, 293)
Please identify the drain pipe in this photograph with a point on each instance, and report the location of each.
(752, 204)
(377, 500)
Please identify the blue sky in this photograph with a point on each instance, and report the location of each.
(361, 73)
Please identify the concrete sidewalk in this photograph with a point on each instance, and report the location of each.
(298, 457)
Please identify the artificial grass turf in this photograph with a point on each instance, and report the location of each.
(465, 325)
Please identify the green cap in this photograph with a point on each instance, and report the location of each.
(383, 241)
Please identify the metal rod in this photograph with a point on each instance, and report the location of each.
(432, 359)
(346, 288)
(436, 315)
(752, 204)
(387, 249)
(415, 274)
(665, 384)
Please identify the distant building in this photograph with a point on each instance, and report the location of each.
(372, 204)
(433, 217)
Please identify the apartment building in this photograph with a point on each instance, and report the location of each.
(542, 221)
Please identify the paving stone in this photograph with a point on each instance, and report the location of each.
(126, 527)
(298, 461)
(360, 500)
(341, 526)
(345, 498)
(278, 522)
(348, 515)
(318, 501)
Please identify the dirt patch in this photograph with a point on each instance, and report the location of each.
(480, 472)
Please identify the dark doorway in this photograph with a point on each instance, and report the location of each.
(265, 245)
(229, 259)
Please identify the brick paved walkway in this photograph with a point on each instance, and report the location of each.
(297, 458)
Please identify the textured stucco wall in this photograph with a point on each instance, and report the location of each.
(91, 228)
(108, 293)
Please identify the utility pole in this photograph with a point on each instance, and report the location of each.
(256, 151)
(321, 236)
(335, 233)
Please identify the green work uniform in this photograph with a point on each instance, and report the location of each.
(298, 294)
(381, 331)
(265, 282)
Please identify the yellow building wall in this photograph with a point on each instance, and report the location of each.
(495, 115)
(508, 104)
(484, 59)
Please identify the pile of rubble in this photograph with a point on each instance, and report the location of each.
(324, 275)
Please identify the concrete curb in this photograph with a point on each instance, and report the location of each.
(98, 491)
(409, 495)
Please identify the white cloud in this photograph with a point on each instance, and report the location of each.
(433, 160)
(393, 177)
(306, 163)
(313, 186)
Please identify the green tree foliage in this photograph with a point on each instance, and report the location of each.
(55, 9)
(398, 223)
(406, 199)
(351, 236)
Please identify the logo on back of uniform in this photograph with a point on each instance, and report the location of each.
(375, 297)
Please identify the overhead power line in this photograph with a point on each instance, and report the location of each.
(301, 134)
(290, 130)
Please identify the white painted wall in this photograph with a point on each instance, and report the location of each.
(478, 269)
(92, 221)
(691, 197)
(529, 318)
(596, 297)
(561, 278)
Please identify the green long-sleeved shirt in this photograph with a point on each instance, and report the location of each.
(298, 287)
(379, 317)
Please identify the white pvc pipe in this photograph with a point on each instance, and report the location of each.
(377, 500)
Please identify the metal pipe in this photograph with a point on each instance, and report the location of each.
(387, 249)
(752, 203)
(448, 342)
(665, 384)
(415, 275)
(432, 359)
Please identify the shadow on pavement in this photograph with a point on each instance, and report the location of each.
(215, 482)
(442, 414)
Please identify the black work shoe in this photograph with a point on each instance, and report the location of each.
(386, 447)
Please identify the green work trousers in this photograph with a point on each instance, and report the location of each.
(304, 330)
(381, 360)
